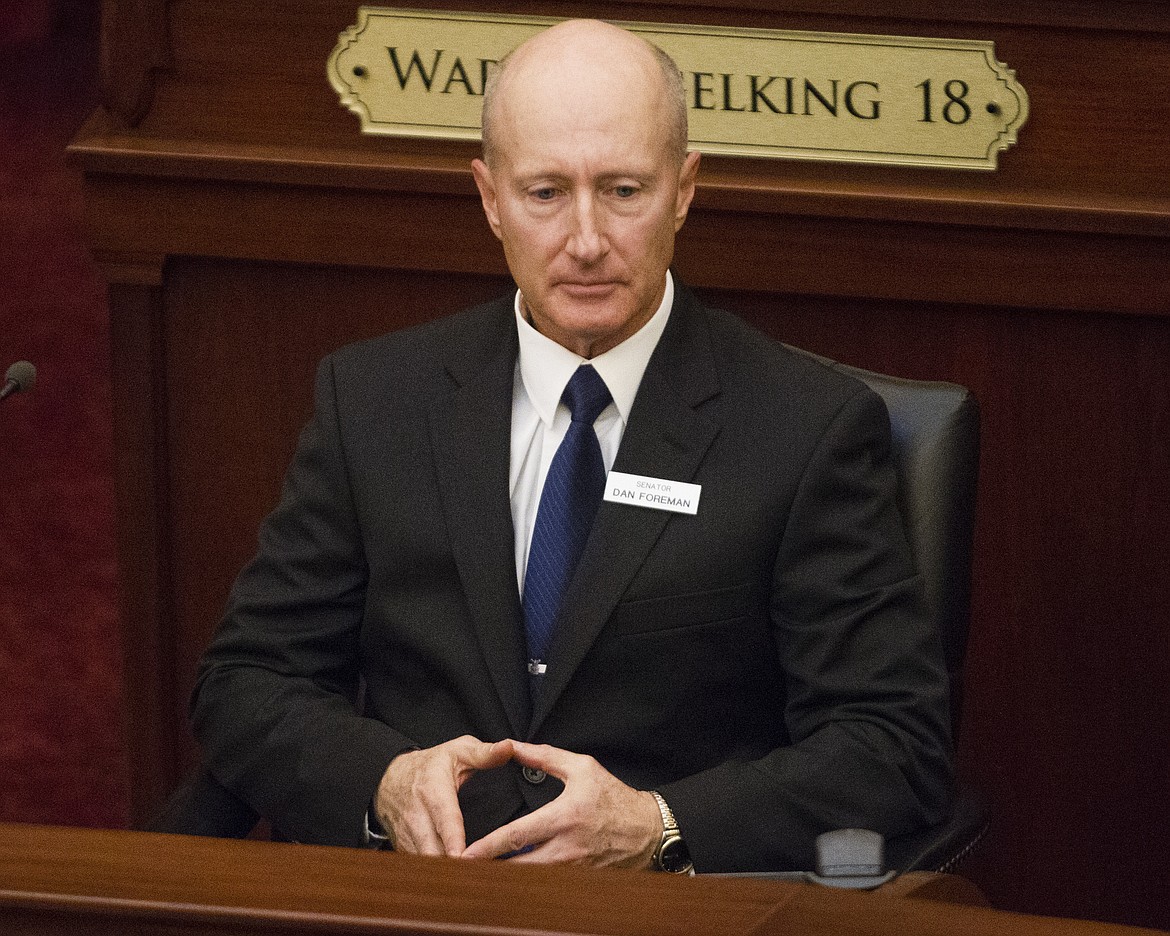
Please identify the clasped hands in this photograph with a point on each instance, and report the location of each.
(596, 820)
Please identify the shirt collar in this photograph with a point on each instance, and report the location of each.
(545, 366)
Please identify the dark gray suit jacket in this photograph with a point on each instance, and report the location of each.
(765, 664)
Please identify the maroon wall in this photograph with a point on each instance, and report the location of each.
(62, 754)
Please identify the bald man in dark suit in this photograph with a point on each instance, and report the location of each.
(721, 685)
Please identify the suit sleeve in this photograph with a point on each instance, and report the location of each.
(275, 701)
(866, 686)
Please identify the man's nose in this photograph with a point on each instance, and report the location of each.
(587, 242)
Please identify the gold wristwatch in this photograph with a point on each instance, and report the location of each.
(672, 854)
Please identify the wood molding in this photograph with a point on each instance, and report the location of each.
(726, 183)
(134, 45)
(787, 253)
(1141, 15)
(131, 269)
(144, 543)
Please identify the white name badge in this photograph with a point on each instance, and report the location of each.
(655, 493)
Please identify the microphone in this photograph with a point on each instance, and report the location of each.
(21, 376)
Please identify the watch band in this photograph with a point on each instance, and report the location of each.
(669, 823)
(672, 854)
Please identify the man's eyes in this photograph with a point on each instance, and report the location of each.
(546, 193)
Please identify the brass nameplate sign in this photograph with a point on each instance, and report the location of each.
(770, 93)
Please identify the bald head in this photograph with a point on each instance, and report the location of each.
(579, 70)
(586, 180)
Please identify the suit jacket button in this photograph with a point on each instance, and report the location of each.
(533, 775)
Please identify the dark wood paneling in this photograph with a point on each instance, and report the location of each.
(1067, 706)
(134, 48)
(141, 469)
(842, 256)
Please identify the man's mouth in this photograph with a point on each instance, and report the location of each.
(586, 290)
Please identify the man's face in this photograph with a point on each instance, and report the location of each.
(586, 196)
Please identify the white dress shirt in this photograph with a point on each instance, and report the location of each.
(540, 420)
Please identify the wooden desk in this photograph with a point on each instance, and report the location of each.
(57, 880)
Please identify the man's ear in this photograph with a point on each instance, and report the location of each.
(487, 194)
(686, 188)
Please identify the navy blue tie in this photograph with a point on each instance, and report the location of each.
(572, 493)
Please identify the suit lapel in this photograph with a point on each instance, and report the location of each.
(667, 437)
(471, 430)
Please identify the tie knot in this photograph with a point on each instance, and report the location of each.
(586, 395)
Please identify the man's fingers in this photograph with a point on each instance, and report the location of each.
(597, 819)
(527, 836)
(447, 822)
(418, 798)
(485, 756)
(553, 760)
(519, 835)
(418, 836)
(430, 830)
(424, 819)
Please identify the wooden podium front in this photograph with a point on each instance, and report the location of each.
(246, 228)
(55, 880)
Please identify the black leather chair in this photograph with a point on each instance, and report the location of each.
(936, 446)
(935, 429)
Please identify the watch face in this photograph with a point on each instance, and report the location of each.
(675, 857)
